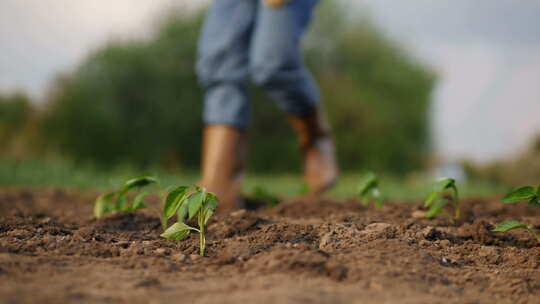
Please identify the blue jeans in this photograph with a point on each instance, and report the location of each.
(243, 38)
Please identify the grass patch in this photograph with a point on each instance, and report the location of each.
(63, 173)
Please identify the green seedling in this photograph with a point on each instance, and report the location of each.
(527, 193)
(512, 225)
(118, 200)
(444, 192)
(186, 203)
(369, 190)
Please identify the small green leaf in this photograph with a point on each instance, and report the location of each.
(172, 202)
(138, 202)
(436, 208)
(121, 204)
(195, 202)
(137, 206)
(510, 225)
(103, 204)
(183, 210)
(207, 215)
(367, 182)
(535, 201)
(520, 194)
(139, 182)
(177, 232)
(438, 188)
(456, 192)
(211, 201)
(431, 198)
(139, 197)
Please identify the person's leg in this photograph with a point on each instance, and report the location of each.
(276, 57)
(222, 63)
(276, 65)
(222, 68)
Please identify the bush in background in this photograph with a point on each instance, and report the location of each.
(138, 102)
(19, 132)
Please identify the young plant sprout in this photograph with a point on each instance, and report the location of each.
(437, 200)
(186, 203)
(512, 225)
(528, 193)
(369, 190)
(118, 201)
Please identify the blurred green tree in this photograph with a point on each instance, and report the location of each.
(14, 110)
(139, 102)
(15, 113)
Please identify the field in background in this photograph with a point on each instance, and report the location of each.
(36, 173)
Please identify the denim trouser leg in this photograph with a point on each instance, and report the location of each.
(276, 56)
(242, 38)
(223, 63)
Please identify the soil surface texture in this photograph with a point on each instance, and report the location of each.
(305, 250)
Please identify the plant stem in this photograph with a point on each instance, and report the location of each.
(162, 218)
(163, 221)
(457, 211)
(202, 240)
(534, 234)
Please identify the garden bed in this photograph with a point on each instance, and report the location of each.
(306, 250)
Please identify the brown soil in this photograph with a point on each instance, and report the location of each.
(306, 250)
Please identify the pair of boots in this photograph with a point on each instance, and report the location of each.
(224, 154)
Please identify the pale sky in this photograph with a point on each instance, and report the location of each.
(486, 53)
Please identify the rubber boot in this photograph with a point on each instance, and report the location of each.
(223, 162)
(318, 151)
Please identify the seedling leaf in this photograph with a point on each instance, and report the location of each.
(177, 232)
(368, 182)
(510, 225)
(456, 192)
(210, 201)
(141, 181)
(535, 201)
(138, 182)
(195, 202)
(117, 201)
(520, 194)
(121, 204)
(207, 215)
(103, 204)
(137, 206)
(438, 189)
(436, 208)
(183, 210)
(173, 200)
(368, 190)
(138, 202)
